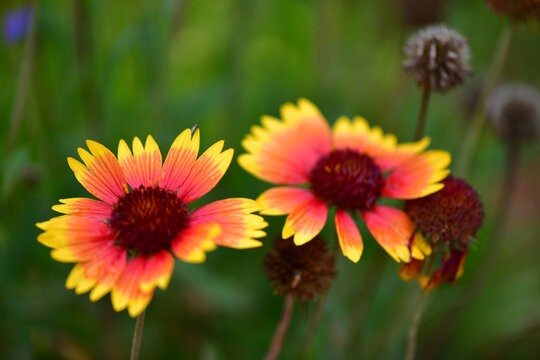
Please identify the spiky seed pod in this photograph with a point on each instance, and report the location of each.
(514, 110)
(452, 215)
(304, 271)
(420, 13)
(437, 57)
(516, 9)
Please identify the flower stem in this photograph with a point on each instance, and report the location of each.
(279, 335)
(137, 337)
(472, 138)
(413, 331)
(421, 124)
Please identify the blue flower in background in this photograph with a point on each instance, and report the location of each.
(17, 23)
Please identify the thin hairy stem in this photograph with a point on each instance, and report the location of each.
(281, 330)
(421, 124)
(137, 337)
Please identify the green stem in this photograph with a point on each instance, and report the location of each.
(472, 138)
(281, 331)
(421, 124)
(413, 331)
(137, 337)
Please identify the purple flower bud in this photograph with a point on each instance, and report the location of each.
(17, 24)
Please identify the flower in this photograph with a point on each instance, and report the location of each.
(350, 167)
(17, 23)
(446, 222)
(437, 57)
(125, 241)
(516, 9)
(514, 110)
(305, 271)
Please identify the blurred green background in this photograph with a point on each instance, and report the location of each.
(111, 70)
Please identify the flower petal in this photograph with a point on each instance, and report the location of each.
(349, 237)
(76, 238)
(239, 227)
(283, 152)
(357, 135)
(101, 174)
(282, 200)
(99, 273)
(206, 173)
(144, 166)
(305, 221)
(392, 228)
(420, 248)
(135, 286)
(419, 176)
(84, 207)
(180, 160)
(192, 244)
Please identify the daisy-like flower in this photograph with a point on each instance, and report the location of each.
(351, 167)
(125, 241)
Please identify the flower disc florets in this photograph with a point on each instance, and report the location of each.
(304, 271)
(147, 219)
(452, 215)
(514, 110)
(347, 179)
(437, 57)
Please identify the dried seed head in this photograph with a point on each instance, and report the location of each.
(516, 9)
(450, 216)
(437, 57)
(422, 12)
(514, 110)
(305, 271)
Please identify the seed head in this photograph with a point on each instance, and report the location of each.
(305, 271)
(514, 110)
(452, 215)
(516, 9)
(437, 57)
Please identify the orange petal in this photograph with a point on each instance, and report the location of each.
(84, 207)
(239, 227)
(283, 200)
(417, 177)
(392, 228)
(206, 173)
(305, 221)
(348, 235)
(143, 167)
(284, 151)
(135, 286)
(98, 274)
(191, 244)
(101, 174)
(180, 160)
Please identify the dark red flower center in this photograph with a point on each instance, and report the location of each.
(147, 219)
(347, 179)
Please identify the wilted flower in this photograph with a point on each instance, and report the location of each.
(17, 23)
(304, 271)
(437, 57)
(446, 222)
(124, 243)
(351, 167)
(514, 110)
(516, 9)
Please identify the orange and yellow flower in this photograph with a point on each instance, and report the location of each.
(125, 241)
(350, 166)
